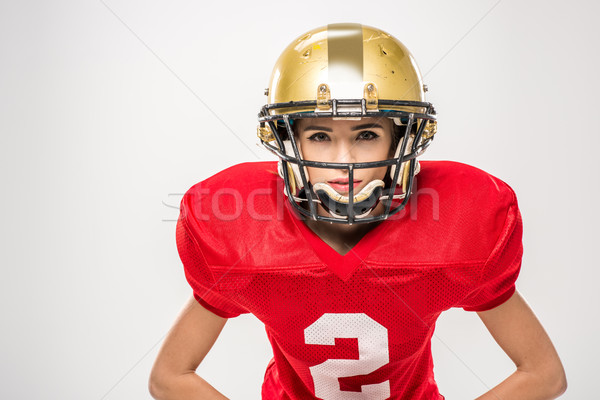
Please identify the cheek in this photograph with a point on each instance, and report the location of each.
(377, 152)
(391, 151)
(378, 173)
(314, 171)
(317, 175)
(317, 151)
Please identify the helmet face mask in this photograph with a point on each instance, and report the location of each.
(343, 71)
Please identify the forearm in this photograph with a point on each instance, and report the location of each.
(525, 385)
(184, 387)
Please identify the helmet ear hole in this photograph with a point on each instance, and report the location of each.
(397, 134)
(282, 131)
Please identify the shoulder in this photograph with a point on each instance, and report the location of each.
(456, 212)
(238, 216)
(241, 177)
(464, 181)
(228, 192)
(464, 190)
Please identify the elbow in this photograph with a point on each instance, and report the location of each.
(550, 379)
(557, 379)
(553, 380)
(560, 383)
(157, 386)
(154, 388)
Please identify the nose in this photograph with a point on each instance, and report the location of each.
(345, 152)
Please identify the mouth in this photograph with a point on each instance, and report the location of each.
(343, 185)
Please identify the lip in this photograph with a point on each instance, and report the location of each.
(343, 180)
(343, 184)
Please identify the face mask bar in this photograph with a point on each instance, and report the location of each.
(268, 115)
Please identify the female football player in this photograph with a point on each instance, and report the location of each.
(349, 248)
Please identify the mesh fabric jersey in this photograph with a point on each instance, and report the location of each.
(359, 325)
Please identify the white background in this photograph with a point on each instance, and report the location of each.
(108, 111)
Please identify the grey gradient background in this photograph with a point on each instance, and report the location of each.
(99, 137)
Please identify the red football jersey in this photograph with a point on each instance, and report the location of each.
(356, 326)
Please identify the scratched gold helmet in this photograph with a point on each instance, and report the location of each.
(347, 71)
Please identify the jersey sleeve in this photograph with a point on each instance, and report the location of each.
(197, 271)
(497, 281)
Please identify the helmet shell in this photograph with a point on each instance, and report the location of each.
(345, 57)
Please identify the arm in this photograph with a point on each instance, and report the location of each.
(187, 343)
(540, 374)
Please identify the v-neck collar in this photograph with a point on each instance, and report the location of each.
(341, 265)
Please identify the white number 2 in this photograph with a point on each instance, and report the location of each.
(372, 350)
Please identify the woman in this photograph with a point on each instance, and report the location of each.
(350, 274)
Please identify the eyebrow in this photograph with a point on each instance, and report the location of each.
(364, 126)
(318, 128)
(356, 128)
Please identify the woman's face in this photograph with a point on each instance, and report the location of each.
(345, 141)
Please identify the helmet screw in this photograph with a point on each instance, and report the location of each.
(323, 88)
(266, 91)
(370, 87)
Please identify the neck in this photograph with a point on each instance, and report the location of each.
(342, 237)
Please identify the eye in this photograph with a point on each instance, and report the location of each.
(367, 135)
(318, 137)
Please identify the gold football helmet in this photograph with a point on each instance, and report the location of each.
(347, 71)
